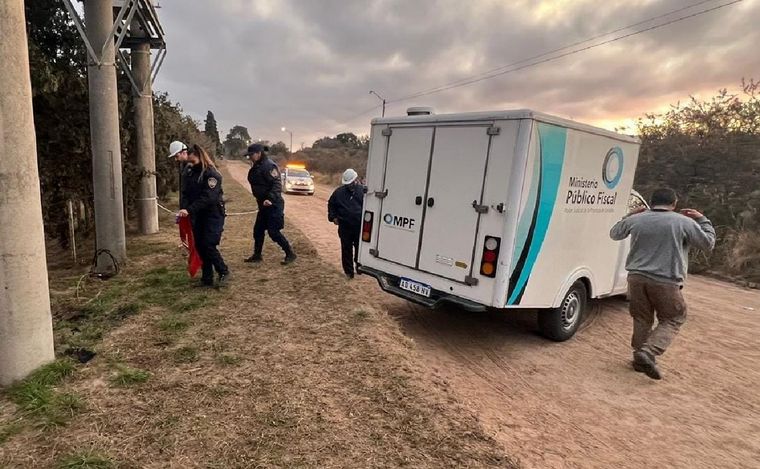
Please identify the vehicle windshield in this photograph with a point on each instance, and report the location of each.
(298, 173)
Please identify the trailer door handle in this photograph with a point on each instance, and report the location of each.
(381, 195)
(479, 208)
(418, 200)
(430, 202)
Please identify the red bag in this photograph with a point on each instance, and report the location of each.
(194, 261)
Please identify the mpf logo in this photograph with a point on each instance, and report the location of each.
(402, 223)
(612, 168)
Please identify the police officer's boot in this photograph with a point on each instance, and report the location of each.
(290, 257)
(253, 258)
(224, 280)
(258, 246)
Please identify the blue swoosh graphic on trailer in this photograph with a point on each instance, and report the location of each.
(552, 141)
(526, 222)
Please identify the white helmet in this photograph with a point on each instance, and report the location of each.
(176, 147)
(349, 176)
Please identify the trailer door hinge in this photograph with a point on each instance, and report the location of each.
(471, 281)
(500, 208)
(479, 208)
(493, 130)
(374, 252)
(381, 195)
(387, 132)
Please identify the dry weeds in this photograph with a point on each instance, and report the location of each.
(289, 367)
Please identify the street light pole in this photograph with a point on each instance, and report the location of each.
(285, 129)
(381, 99)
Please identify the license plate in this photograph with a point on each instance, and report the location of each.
(414, 287)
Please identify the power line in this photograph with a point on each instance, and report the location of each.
(506, 69)
(346, 121)
(559, 49)
(491, 74)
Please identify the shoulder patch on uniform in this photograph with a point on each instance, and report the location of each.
(274, 172)
(212, 183)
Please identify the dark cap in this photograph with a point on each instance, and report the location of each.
(255, 148)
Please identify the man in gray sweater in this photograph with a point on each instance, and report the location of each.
(657, 265)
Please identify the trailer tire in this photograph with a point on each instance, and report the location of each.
(560, 324)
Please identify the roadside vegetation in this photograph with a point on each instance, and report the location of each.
(709, 152)
(266, 373)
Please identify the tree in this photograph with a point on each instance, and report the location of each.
(709, 152)
(61, 115)
(237, 141)
(348, 139)
(326, 142)
(212, 132)
(278, 148)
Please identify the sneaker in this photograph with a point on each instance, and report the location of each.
(253, 258)
(289, 258)
(224, 281)
(350, 276)
(643, 362)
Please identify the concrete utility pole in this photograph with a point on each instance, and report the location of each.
(104, 130)
(26, 329)
(147, 210)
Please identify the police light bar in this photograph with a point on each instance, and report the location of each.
(295, 166)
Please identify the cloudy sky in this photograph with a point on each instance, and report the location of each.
(309, 64)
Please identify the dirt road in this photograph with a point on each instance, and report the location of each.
(577, 404)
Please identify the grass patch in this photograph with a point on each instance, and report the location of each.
(126, 376)
(361, 315)
(9, 430)
(47, 375)
(83, 323)
(187, 354)
(127, 310)
(173, 324)
(36, 398)
(228, 359)
(47, 407)
(168, 287)
(219, 392)
(185, 305)
(86, 460)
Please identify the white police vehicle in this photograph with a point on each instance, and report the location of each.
(297, 180)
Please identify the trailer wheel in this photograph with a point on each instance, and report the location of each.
(559, 324)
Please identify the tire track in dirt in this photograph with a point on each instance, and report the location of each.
(578, 404)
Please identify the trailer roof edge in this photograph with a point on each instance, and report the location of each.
(504, 115)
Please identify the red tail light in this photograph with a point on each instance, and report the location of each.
(490, 256)
(369, 218)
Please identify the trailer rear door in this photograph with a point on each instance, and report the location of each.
(406, 170)
(455, 191)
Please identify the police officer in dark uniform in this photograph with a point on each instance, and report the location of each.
(266, 186)
(345, 210)
(204, 203)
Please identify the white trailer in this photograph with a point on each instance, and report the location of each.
(508, 209)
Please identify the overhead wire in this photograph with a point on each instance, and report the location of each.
(533, 60)
(559, 49)
(482, 77)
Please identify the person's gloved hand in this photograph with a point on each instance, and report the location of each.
(691, 213)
